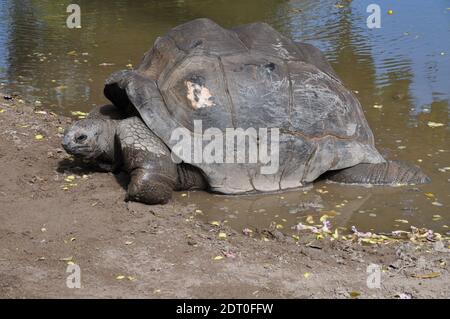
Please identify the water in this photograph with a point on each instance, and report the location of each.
(404, 66)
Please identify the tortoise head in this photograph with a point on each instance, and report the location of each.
(91, 139)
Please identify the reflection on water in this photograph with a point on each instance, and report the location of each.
(404, 66)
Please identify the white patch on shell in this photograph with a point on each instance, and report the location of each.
(351, 129)
(198, 95)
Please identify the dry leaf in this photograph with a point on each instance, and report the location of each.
(310, 219)
(434, 124)
(222, 236)
(437, 204)
(354, 294)
(428, 276)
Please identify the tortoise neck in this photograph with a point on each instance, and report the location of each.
(108, 144)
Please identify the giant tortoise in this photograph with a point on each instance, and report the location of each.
(249, 78)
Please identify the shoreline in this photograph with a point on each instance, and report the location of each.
(55, 213)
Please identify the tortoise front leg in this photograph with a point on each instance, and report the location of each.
(147, 159)
(149, 187)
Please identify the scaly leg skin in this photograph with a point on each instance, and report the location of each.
(387, 173)
(149, 188)
(147, 159)
(190, 177)
(154, 176)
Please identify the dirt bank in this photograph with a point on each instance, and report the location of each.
(54, 212)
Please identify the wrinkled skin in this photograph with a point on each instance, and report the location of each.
(92, 140)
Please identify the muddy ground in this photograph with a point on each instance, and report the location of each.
(129, 250)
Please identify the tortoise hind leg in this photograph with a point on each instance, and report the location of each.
(387, 173)
(190, 177)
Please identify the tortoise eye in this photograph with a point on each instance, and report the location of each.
(80, 138)
(270, 66)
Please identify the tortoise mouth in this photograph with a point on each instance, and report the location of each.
(78, 150)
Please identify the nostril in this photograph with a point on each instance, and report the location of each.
(80, 138)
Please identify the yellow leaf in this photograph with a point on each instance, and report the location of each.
(429, 195)
(215, 223)
(306, 275)
(279, 226)
(434, 124)
(324, 218)
(39, 137)
(404, 221)
(67, 259)
(368, 241)
(1, 111)
(70, 178)
(120, 277)
(296, 237)
(437, 204)
(428, 276)
(218, 258)
(79, 114)
(222, 236)
(310, 219)
(354, 294)
(336, 234)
